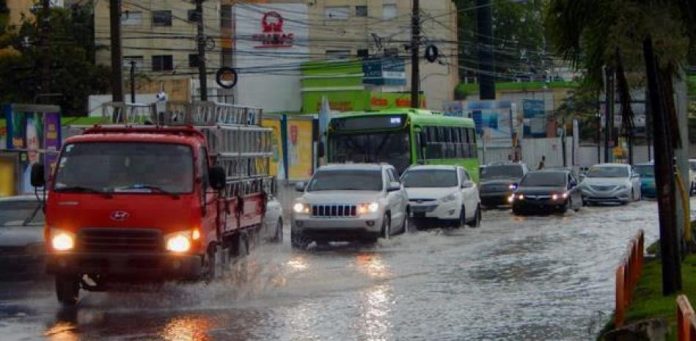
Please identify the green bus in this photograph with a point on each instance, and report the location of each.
(403, 137)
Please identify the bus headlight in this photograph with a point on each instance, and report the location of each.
(178, 242)
(62, 240)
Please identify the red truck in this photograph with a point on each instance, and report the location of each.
(171, 200)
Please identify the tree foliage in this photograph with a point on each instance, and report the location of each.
(73, 73)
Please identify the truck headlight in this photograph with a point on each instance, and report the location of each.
(300, 208)
(62, 240)
(178, 242)
(451, 197)
(368, 208)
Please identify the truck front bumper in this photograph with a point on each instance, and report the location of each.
(133, 266)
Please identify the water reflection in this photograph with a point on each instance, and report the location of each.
(372, 264)
(187, 328)
(65, 327)
(298, 263)
(376, 302)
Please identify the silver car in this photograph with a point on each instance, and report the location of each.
(349, 202)
(610, 182)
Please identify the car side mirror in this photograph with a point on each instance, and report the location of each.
(300, 186)
(467, 184)
(393, 187)
(38, 176)
(217, 177)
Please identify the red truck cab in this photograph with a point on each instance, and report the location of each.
(141, 204)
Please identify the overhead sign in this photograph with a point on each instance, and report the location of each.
(384, 71)
(272, 35)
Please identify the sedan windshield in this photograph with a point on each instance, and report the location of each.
(544, 179)
(646, 171)
(607, 172)
(346, 180)
(125, 167)
(430, 178)
(21, 213)
(506, 171)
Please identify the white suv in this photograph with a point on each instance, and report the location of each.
(442, 193)
(349, 202)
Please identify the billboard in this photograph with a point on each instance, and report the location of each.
(300, 148)
(34, 131)
(270, 45)
(535, 120)
(496, 121)
(277, 167)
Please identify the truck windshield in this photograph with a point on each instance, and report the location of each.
(430, 178)
(389, 147)
(346, 180)
(125, 167)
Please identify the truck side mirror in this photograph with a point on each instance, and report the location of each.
(217, 177)
(321, 149)
(38, 177)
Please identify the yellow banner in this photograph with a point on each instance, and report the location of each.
(277, 142)
(300, 151)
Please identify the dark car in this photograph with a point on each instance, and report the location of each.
(498, 181)
(547, 190)
(21, 238)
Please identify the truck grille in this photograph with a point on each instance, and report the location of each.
(334, 211)
(109, 240)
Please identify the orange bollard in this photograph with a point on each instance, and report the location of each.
(620, 297)
(685, 320)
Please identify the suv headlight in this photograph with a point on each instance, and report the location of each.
(372, 207)
(300, 208)
(62, 240)
(451, 197)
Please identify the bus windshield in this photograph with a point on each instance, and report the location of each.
(389, 147)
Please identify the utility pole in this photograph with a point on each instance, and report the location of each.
(202, 74)
(45, 47)
(415, 51)
(132, 80)
(664, 176)
(116, 57)
(484, 18)
(609, 109)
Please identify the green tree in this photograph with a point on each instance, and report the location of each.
(73, 73)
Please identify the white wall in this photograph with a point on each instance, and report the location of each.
(260, 83)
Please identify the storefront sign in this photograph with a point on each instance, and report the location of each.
(384, 71)
(273, 35)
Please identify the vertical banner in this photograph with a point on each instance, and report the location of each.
(52, 140)
(300, 148)
(277, 164)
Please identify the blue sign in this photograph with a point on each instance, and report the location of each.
(534, 118)
(384, 71)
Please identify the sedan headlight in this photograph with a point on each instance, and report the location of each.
(62, 240)
(451, 197)
(372, 207)
(300, 208)
(178, 242)
(518, 196)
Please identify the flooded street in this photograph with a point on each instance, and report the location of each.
(513, 278)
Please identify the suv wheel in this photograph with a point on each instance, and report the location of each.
(298, 240)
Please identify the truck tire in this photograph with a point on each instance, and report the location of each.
(67, 289)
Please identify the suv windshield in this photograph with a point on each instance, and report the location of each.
(544, 179)
(645, 171)
(430, 178)
(503, 171)
(346, 180)
(608, 172)
(125, 167)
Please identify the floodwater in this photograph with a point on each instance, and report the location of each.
(515, 278)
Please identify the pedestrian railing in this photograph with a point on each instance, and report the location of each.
(627, 275)
(686, 321)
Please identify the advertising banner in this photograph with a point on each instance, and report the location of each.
(496, 121)
(300, 149)
(33, 131)
(534, 118)
(277, 168)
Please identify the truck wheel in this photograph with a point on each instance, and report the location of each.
(67, 289)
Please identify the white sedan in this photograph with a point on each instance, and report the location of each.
(442, 193)
(610, 182)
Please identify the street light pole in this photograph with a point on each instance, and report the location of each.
(132, 80)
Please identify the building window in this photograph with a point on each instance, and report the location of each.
(193, 60)
(137, 59)
(162, 63)
(338, 54)
(162, 18)
(131, 18)
(360, 11)
(389, 11)
(192, 15)
(337, 12)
